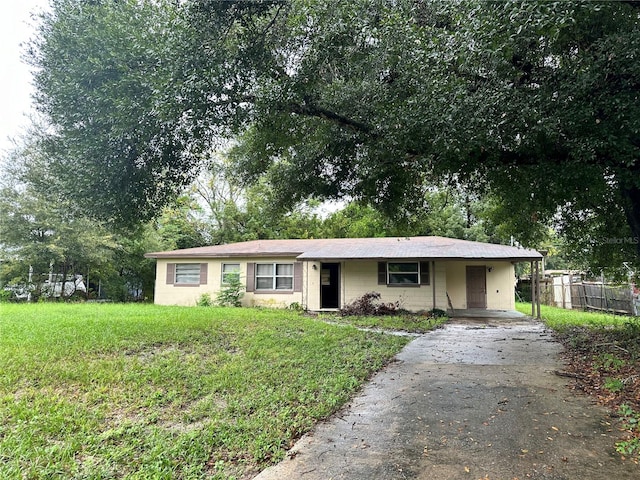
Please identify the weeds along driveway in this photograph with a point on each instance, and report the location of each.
(477, 399)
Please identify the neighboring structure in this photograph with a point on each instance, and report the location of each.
(421, 272)
(571, 291)
(50, 288)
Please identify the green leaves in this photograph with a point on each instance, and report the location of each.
(367, 99)
(105, 75)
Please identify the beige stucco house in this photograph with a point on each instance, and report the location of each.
(326, 274)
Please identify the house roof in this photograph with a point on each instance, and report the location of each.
(359, 249)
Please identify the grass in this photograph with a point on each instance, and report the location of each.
(405, 323)
(142, 391)
(560, 319)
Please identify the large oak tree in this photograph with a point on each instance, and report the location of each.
(534, 102)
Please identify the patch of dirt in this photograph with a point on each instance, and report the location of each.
(605, 364)
(596, 358)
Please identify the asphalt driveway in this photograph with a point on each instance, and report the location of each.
(477, 399)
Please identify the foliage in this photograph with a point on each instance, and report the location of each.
(42, 237)
(227, 212)
(631, 446)
(534, 103)
(106, 80)
(6, 296)
(132, 276)
(438, 313)
(614, 385)
(205, 300)
(42, 229)
(296, 306)
(500, 96)
(608, 361)
(560, 319)
(141, 391)
(446, 210)
(231, 293)
(180, 225)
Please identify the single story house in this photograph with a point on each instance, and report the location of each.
(326, 274)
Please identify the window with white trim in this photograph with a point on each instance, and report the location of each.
(228, 271)
(274, 276)
(187, 274)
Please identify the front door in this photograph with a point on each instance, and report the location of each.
(330, 285)
(476, 287)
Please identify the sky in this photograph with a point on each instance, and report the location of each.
(16, 28)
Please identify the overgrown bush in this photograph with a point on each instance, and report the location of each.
(231, 293)
(369, 305)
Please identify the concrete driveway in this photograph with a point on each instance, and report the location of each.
(477, 399)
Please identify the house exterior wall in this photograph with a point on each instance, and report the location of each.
(178, 295)
(500, 283)
(167, 294)
(358, 277)
(267, 299)
(311, 287)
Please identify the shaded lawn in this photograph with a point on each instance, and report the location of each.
(143, 391)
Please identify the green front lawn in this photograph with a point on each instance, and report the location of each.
(142, 391)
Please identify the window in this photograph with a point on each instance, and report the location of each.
(229, 270)
(187, 274)
(403, 273)
(274, 276)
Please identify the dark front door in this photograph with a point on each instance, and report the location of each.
(476, 287)
(330, 285)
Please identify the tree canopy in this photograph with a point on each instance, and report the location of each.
(534, 103)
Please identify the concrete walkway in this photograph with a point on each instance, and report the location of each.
(477, 399)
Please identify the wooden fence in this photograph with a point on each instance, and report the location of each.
(600, 296)
(573, 293)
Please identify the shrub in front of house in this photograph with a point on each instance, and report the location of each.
(230, 295)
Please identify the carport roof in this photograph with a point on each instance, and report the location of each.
(359, 249)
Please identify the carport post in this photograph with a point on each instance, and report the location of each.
(533, 291)
(538, 288)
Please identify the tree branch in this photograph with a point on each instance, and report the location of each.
(311, 110)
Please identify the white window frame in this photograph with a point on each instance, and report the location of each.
(225, 273)
(189, 277)
(274, 276)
